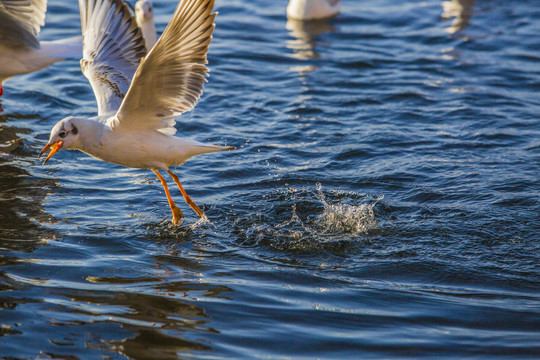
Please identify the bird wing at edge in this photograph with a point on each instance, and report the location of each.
(21, 22)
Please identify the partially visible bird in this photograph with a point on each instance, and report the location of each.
(137, 103)
(20, 50)
(313, 9)
(144, 14)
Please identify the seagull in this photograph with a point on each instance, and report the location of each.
(145, 19)
(312, 9)
(138, 97)
(20, 50)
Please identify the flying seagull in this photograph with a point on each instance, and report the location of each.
(137, 103)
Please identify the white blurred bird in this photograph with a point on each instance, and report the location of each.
(137, 103)
(313, 9)
(144, 15)
(20, 50)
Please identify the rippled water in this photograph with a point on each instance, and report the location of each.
(383, 201)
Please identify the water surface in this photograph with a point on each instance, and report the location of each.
(383, 201)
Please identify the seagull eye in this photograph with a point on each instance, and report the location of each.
(62, 134)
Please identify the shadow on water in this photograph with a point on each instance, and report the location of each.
(21, 212)
(122, 301)
(163, 309)
(21, 194)
(140, 318)
(158, 324)
(10, 142)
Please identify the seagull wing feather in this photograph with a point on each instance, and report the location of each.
(113, 47)
(170, 79)
(21, 21)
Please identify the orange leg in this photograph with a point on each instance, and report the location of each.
(186, 197)
(176, 212)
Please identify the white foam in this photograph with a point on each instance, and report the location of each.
(346, 218)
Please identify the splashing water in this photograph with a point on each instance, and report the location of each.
(297, 219)
(318, 221)
(346, 218)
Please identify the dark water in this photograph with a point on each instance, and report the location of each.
(384, 200)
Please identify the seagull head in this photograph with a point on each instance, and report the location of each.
(143, 10)
(65, 134)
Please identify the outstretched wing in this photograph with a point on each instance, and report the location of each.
(21, 21)
(113, 47)
(170, 79)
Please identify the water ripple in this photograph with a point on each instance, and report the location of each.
(382, 202)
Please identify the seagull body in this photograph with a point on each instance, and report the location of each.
(138, 96)
(20, 50)
(312, 9)
(144, 14)
(140, 149)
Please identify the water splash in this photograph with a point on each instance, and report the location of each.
(311, 220)
(182, 231)
(203, 220)
(304, 219)
(346, 218)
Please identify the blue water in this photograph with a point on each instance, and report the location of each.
(383, 202)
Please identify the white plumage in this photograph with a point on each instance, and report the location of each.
(313, 9)
(20, 50)
(138, 96)
(144, 14)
